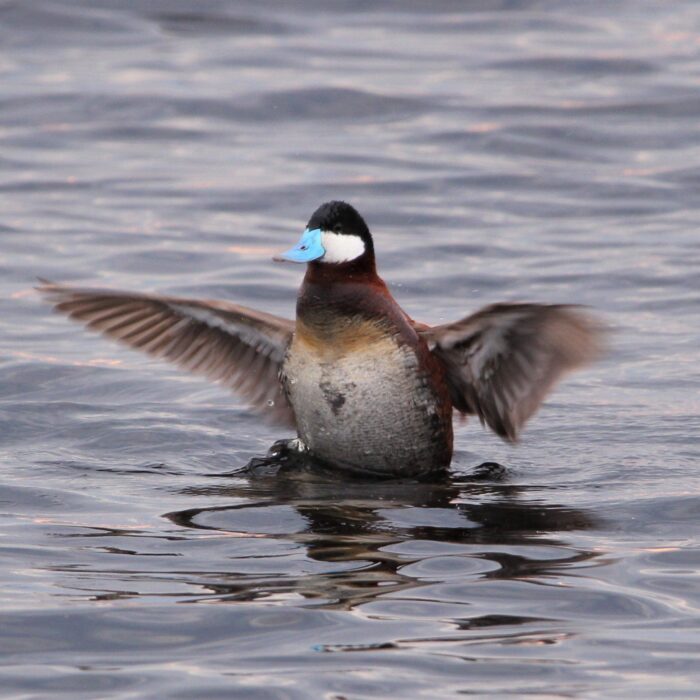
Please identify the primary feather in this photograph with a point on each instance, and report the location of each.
(239, 347)
(503, 360)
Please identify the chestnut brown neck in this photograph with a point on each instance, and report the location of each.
(332, 294)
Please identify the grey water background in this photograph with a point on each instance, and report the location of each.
(500, 150)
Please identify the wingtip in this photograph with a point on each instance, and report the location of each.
(45, 287)
(507, 432)
(581, 334)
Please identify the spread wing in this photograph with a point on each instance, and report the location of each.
(241, 348)
(503, 360)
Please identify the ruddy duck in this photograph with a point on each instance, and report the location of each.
(366, 388)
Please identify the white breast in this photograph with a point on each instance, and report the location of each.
(370, 410)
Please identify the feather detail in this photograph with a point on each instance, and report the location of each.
(240, 348)
(502, 361)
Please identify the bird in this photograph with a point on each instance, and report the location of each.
(366, 388)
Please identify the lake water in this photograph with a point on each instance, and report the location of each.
(500, 150)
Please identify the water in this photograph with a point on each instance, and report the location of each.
(499, 150)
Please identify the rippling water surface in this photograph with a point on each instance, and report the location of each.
(499, 150)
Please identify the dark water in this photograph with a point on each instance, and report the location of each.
(500, 150)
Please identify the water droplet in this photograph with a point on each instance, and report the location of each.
(270, 403)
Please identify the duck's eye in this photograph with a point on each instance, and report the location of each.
(337, 228)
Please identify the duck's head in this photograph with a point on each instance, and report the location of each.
(335, 235)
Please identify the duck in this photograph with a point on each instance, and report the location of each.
(366, 388)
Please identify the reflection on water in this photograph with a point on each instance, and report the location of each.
(342, 519)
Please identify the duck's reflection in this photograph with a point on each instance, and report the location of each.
(374, 531)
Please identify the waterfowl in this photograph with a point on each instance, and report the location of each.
(366, 388)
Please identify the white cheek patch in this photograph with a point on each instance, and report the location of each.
(341, 247)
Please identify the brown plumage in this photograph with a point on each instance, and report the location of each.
(365, 387)
(503, 360)
(239, 347)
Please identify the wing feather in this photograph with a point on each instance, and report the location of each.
(238, 347)
(503, 360)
